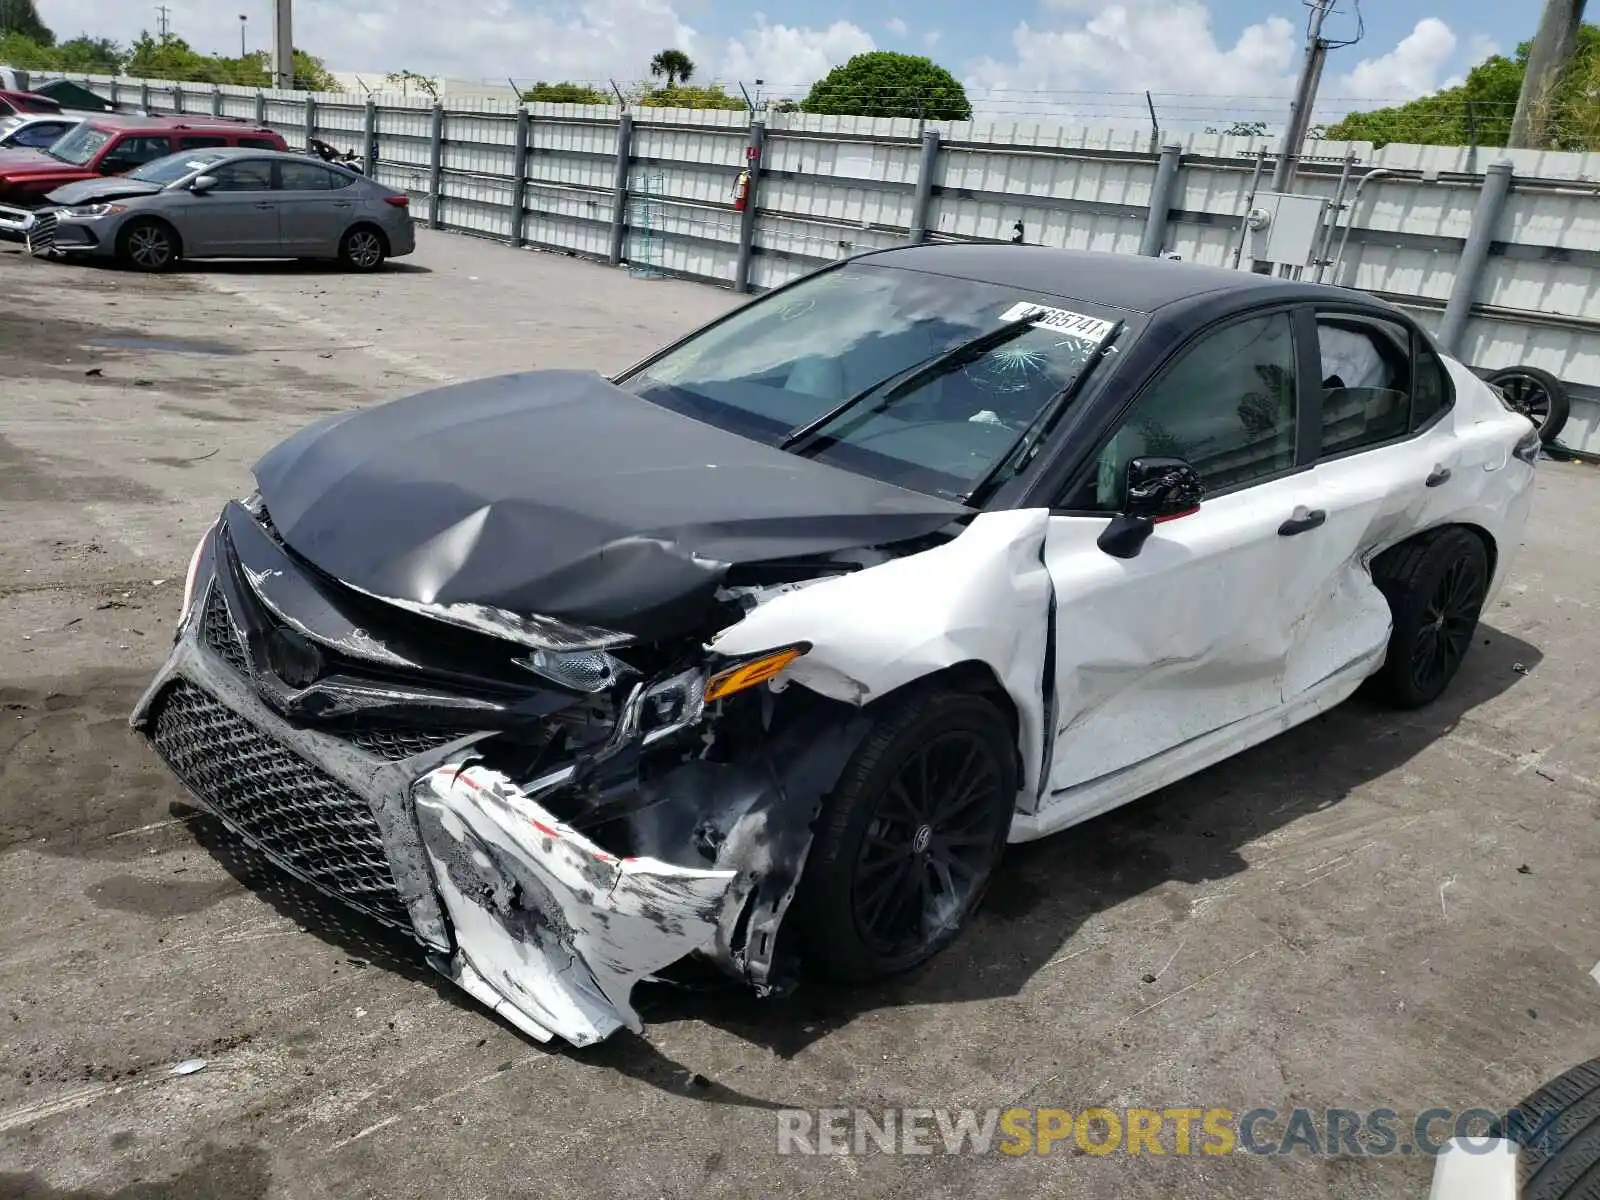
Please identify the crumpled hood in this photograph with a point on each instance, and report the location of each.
(558, 493)
(88, 191)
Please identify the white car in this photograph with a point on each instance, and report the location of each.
(35, 132)
(763, 650)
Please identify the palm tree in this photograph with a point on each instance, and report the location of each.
(674, 64)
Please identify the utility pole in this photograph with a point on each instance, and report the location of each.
(1548, 58)
(243, 19)
(1305, 96)
(163, 21)
(283, 45)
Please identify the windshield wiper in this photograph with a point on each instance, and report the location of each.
(918, 373)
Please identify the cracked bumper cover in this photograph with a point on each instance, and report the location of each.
(552, 931)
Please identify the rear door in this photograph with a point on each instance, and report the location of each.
(1194, 633)
(1387, 465)
(315, 207)
(238, 217)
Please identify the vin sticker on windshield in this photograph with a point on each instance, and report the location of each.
(1078, 325)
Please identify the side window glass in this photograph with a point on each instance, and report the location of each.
(1366, 382)
(257, 143)
(1431, 391)
(1227, 407)
(198, 143)
(136, 151)
(303, 177)
(244, 177)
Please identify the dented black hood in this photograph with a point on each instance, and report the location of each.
(558, 493)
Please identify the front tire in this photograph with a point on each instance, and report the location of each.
(363, 249)
(150, 246)
(1435, 585)
(906, 843)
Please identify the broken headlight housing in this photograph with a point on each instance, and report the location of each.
(587, 671)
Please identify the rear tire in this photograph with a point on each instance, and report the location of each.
(906, 843)
(363, 248)
(1435, 585)
(149, 245)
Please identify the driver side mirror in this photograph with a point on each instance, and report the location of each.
(1157, 489)
(201, 184)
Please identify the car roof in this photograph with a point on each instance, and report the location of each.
(121, 121)
(1130, 282)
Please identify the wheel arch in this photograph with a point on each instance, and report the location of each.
(367, 223)
(150, 219)
(1490, 546)
(970, 676)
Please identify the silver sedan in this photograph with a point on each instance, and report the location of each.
(227, 203)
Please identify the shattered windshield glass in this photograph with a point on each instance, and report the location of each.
(79, 146)
(875, 347)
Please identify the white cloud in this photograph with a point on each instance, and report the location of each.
(895, 26)
(791, 57)
(931, 38)
(1412, 68)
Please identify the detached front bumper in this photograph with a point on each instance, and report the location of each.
(15, 222)
(525, 913)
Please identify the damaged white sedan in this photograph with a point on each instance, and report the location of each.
(762, 651)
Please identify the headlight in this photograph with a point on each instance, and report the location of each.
(93, 212)
(194, 569)
(581, 670)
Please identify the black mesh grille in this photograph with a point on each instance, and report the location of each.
(41, 236)
(396, 744)
(217, 631)
(278, 801)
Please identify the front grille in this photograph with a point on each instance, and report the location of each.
(396, 744)
(297, 814)
(217, 631)
(42, 233)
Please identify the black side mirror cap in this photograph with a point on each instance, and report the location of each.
(1157, 489)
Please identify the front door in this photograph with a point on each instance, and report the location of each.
(236, 218)
(1193, 633)
(315, 206)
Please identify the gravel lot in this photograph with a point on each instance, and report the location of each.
(1368, 911)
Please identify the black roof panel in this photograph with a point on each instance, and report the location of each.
(1126, 281)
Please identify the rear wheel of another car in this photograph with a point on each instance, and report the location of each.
(149, 245)
(906, 843)
(363, 248)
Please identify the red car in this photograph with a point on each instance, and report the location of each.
(26, 104)
(112, 145)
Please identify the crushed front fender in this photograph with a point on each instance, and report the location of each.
(551, 931)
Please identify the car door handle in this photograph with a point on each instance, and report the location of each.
(341, 204)
(1440, 475)
(266, 204)
(1303, 519)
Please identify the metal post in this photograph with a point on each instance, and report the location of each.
(144, 94)
(283, 45)
(1474, 255)
(116, 92)
(369, 127)
(261, 107)
(311, 119)
(177, 98)
(519, 175)
(1552, 50)
(747, 223)
(619, 186)
(1249, 203)
(924, 196)
(1325, 243)
(1155, 221)
(216, 99)
(436, 170)
(1305, 95)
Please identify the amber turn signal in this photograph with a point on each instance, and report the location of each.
(748, 674)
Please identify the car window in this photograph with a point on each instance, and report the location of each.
(855, 339)
(1431, 392)
(174, 167)
(80, 145)
(1227, 407)
(304, 177)
(137, 150)
(46, 133)
(253, 143)
(197, 142)
(252, 175)
(1365, 366)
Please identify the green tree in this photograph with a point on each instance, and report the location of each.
(566, 93)
(883, 83)
(673, 65)
(90, 56)
(426, 84)
(1242, 129)
(311, 75)
(25, 53)
(21, 16)
(690, 97)
(1480, 108)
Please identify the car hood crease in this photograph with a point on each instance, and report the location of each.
(560, 494)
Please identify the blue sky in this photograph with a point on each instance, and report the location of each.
(1021, 58)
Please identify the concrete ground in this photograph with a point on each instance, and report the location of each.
(1371, 910)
